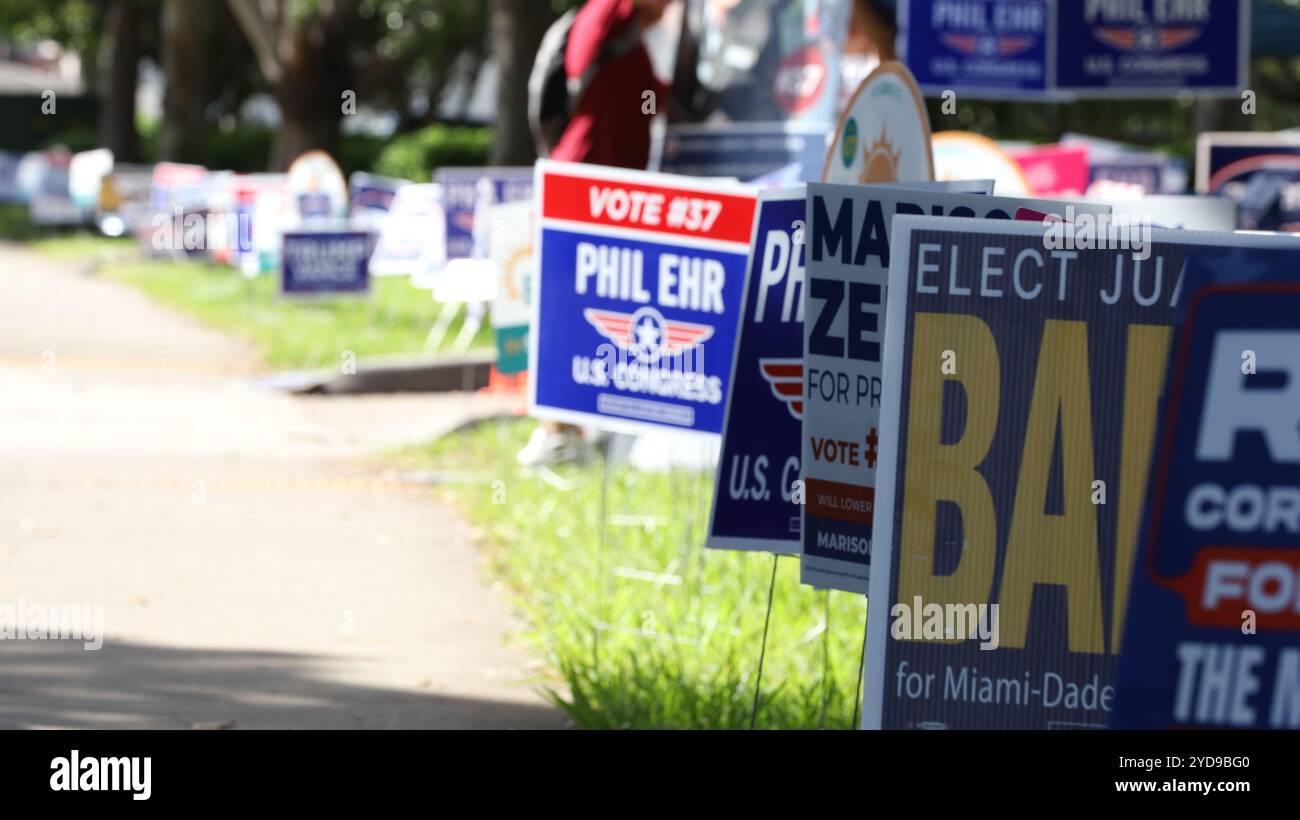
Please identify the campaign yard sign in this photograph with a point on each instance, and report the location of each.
(1020, 395)
(1258, 171)
(637, 296)
(325, 263)
(1152, 47)
(1213, 630)
(979, 48)
(461, 196)
(847, 268)
(755, 500)
(753, 506)
(745, 150)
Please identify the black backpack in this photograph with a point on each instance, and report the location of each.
(552, 96)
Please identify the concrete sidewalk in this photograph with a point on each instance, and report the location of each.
(254, 567)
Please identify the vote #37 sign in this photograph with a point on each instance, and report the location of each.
(636, 297)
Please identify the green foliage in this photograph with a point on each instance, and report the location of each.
(414, 156)
(639, 626)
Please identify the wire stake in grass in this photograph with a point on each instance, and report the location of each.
(862, 663)
(762, 652)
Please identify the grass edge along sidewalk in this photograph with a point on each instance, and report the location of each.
(394, 318)
(648, 629)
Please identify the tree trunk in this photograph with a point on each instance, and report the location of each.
(517, 29)
(184, 59)
(315, 73)
(119, 59)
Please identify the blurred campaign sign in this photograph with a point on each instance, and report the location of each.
(884, 133)
(773, 61)
(1021, 394)
(318, 191)
(984, 48)
(10, 190)
(370, 198)
(123, 206)
(461, 196)
(962, 155)
(1213, 631)
(637, 296)
(759, 462)
(86, 171)
(325, 263)
(1152, 47)
(848, 231)
(412, 236)
(510, 247)
(46, 176)
(1260, 172)
(755, 87)
(1193, 213)
(1054, 170)
(744, 150)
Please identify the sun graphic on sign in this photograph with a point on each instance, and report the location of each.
(880, 161)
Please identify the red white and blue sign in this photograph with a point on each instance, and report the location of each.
(636, 298)
(977, 47)
(325, 263)
(460, 189)
(753, 505)
(1152, 47)
(1212, 636)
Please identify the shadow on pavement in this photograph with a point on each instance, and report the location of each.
(57, 684)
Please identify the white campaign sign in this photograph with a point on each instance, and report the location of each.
(844, 324)
(884, 132)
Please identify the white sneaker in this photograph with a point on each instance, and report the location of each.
(547, 446)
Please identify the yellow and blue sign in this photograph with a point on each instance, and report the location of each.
(1022, 390)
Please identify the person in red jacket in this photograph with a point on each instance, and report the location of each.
(610, 125)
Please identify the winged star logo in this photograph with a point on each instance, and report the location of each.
(987, 45)
(1147, 38)
(646, 334)
(785, 377)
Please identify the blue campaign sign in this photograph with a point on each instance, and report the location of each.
(461, 196)
(977, 48)
(325, 263)
(1152, 47)
(752, 505)
(1258, 171)
(636, 297)
(746, 150)
(1212, 637)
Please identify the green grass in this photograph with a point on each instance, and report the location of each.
(638, 625)
(393, 319)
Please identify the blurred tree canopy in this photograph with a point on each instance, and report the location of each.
(318, 57)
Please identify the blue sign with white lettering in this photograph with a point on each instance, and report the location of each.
(636, 297)
(325, 263)
(462, 194)
(977, 47)
(1212, 635)
(759, 461)
(1152, 47)
(746, 150)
